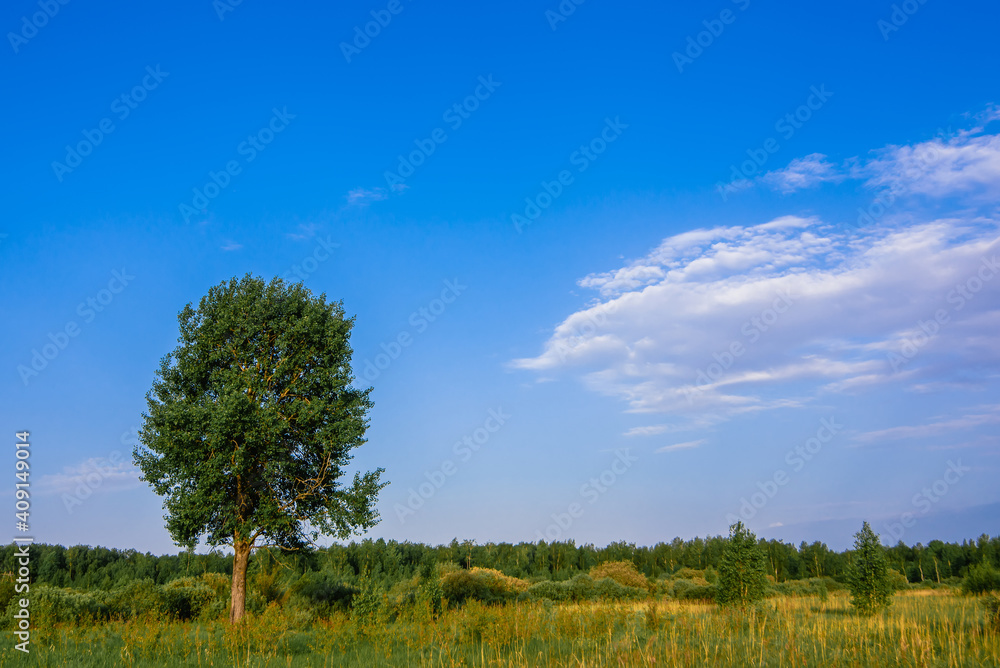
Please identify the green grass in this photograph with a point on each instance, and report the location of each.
(922, 628)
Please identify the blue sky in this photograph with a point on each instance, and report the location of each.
(659, 267)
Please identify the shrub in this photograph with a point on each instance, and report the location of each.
(581, 588)
(52, 605)
(189, 597)
(899, 582)
(622, 572)
(503, 584)
(368, 607)
(131, 599)
(547, 590)
(690, 590)
(608, 589)
(482, 584)
(982, 578)
(323, 592)
(460, 586)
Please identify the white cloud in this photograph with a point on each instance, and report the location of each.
(365, 196)
(94, 474)
(680, 446)
(989, 415)
(802, 173)
(963, 164)
(305, 232)
(731, 320)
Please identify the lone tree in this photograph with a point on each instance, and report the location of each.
(251, 421)
(868, 574)
(742, 569)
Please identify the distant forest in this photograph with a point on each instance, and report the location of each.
(388, 562)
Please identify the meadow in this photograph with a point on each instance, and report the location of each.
(378, 603)
(929, 627)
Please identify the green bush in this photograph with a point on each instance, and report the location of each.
(460, 586)
(132, 599)
(323, 592)
(981, 579)
(607, 589)
(546, 590)
(688, 590)
(583, 588)
(52, 605)
(185, 598)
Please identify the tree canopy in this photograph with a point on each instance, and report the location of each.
(251, 421)
(742, 569)
(868, 575)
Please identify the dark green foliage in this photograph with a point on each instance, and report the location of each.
(868, 576)
(324, 592)
(460, 586)
(321, 581)
(252, 419)
(687, 590)
(742, 570)
(982, 578)
(583, 588)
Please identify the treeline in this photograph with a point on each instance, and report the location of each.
(387, 562)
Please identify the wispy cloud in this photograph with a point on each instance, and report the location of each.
(680, 446)
(964, 163)
(800, 173)
(990, 415)
(305, 231)
(95, 474)
(232, 246)
(730, 320)
(365, 196)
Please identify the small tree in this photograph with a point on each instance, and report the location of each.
(868, 574)
(251, 422)
(742, 569)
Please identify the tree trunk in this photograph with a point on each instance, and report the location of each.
(238, 602)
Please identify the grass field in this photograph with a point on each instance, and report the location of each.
(927, 628)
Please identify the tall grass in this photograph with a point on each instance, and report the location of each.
(923, 628)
